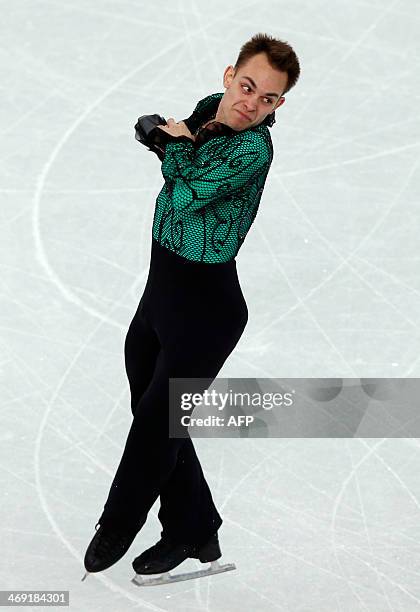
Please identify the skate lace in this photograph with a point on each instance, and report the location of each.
(108, 541)
(161, 546)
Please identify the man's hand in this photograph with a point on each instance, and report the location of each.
(176, 129)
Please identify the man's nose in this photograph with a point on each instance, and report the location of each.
(250, 106)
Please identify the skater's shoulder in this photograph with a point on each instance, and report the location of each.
(209, 100)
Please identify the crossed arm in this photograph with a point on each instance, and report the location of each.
(196, 177)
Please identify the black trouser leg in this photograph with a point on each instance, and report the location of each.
(154, 464)
(188, 321)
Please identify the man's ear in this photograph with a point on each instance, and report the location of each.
(228, 76)
(280, 102)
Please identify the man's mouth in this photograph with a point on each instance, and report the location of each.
(242, 115)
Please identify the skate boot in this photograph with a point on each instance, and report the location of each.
(107, 547)
(162, 557)
(210, 551)
(167, 554)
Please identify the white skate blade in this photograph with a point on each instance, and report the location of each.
(167, 578)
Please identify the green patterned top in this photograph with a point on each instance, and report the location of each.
(212, 187)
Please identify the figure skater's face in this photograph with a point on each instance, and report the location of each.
(254, 91)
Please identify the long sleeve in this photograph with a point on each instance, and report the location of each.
(155, 139)
(217, 171)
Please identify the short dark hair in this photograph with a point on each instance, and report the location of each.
(280, 56)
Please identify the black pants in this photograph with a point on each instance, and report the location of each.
(188, 321)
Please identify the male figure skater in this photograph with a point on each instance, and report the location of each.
(192, 312)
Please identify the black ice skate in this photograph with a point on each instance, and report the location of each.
(166, 555)
(106, 548)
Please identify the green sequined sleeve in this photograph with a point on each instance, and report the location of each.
(219, 169)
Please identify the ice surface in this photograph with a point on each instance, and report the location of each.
(329, 271)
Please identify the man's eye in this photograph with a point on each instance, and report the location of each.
(269, 100)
